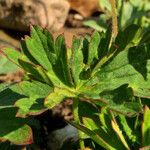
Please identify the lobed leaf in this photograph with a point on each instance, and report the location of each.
(62, 65)
(14, 129)
(38, 52)
(33, 103)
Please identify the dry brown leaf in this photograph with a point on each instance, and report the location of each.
(85, 7)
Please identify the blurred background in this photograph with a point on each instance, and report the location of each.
(70, 17)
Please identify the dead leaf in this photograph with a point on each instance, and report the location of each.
(85, 7)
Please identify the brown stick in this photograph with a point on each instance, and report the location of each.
(114, 18)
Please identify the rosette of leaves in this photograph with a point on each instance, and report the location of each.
(108, 73)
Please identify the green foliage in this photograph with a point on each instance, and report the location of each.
(114, 75)
(112, 131)
(6, 65)
(146, 127)
(14, 129)
(129, 12)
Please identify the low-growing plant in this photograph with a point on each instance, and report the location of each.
(103, 72)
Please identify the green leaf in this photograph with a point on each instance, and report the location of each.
(121, 100)
(58, 95)
(9, 94)
(77, 60)
(106, 134)
(90, 124)
(126, 128)
(145, 37)
(33, 104)
(105, 44)
(26, 52)
(92, 109)
(99, 140)
(141, 64)
(119, 133)
(36, 71)
(45, 39)
(29, 106)
(98, 25)
(93, 47)
(62, 66)
(37, 51)
(105, 52)
(124, 40)
(7, 66)
(105, 4)
(14, 129)
(128, 67)
(3, 86)
(35, 88)
(146, 127)
(12, 55)
(27, 96)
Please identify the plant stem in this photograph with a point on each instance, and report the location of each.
(114, 19)
(77, 120)
(120, 25)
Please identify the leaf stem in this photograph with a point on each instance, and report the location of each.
(77, 120)
(114, 19)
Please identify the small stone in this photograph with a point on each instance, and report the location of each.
(19, 14)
